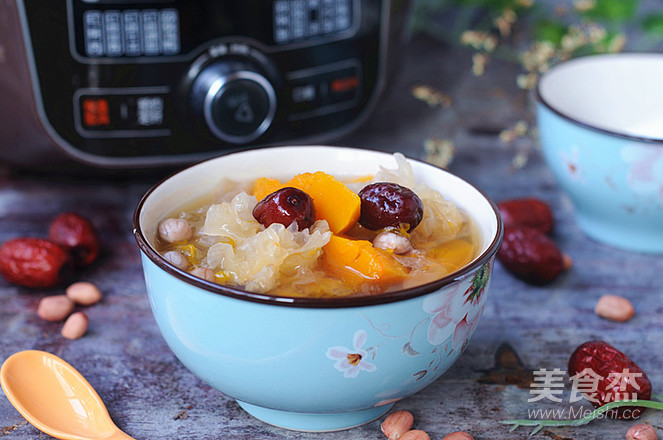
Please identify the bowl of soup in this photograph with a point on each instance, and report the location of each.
(600, 124)
(317, 285)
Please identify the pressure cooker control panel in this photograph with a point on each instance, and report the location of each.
(157, 79)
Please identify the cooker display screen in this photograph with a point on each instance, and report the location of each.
(131, 32)
(296, 20)
(152, 30)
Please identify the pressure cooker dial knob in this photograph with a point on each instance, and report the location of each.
(236, 101)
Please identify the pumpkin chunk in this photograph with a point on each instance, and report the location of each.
(332, 200)
(454, 254)
(264, 186)
(357, 262)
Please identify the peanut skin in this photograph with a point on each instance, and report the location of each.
(614, 308)
(396, 424)
(55, 307)
(641, 432)
(415, 434)
(75, 326)
(458, 435)
(84, 293)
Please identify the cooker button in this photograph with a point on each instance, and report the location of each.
(343, 86)
(305, 96)
(240, 110)
(305, 93)
(234, 99)
(120, 112)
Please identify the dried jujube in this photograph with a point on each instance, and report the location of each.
(76, 234)
(530, 255)
(34, 262)
(617, 377)
(286, 206)
(527, 212)
(387, 204)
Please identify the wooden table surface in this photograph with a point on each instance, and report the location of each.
(151, 395)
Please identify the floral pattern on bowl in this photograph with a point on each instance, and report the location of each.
(450, 318)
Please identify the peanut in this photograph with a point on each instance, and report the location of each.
(458, 435)
(84, 293)
(641, 432)
(398, 243)
(396, 424)
(75, 326)
(415, 434)
(615, 308)
(204, 273)
(175, 229)
(177, 259)
(55, 308)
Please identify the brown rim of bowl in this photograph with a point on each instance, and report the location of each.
(539, 98)
(307, 302)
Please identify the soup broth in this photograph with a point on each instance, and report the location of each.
(220, 239)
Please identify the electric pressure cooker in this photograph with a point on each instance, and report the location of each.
(125, 84)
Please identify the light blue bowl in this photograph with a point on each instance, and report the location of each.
(305, 363)
(600, 120)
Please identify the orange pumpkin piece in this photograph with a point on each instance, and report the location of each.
(264, 186)
(357, 262)
(362, 179)
(453, 255)
(332, 200)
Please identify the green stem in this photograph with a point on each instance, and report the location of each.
(539, 424)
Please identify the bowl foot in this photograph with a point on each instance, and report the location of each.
(638, 239)
(312, 422)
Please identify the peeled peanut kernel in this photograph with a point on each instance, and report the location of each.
(55, 308)
(641, 432)
(175, 229)
(396, 424)
(615, 308)
(177, 259)
(84, 293)
(204, 273)
(75, 326)
(458, 435)
(398, 243)
(415, 434)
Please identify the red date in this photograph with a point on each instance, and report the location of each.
(619, 378)
(34, 262)
(530, 255)
(527, 212)
(76, 234)
(285, 206)
(386, 204)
